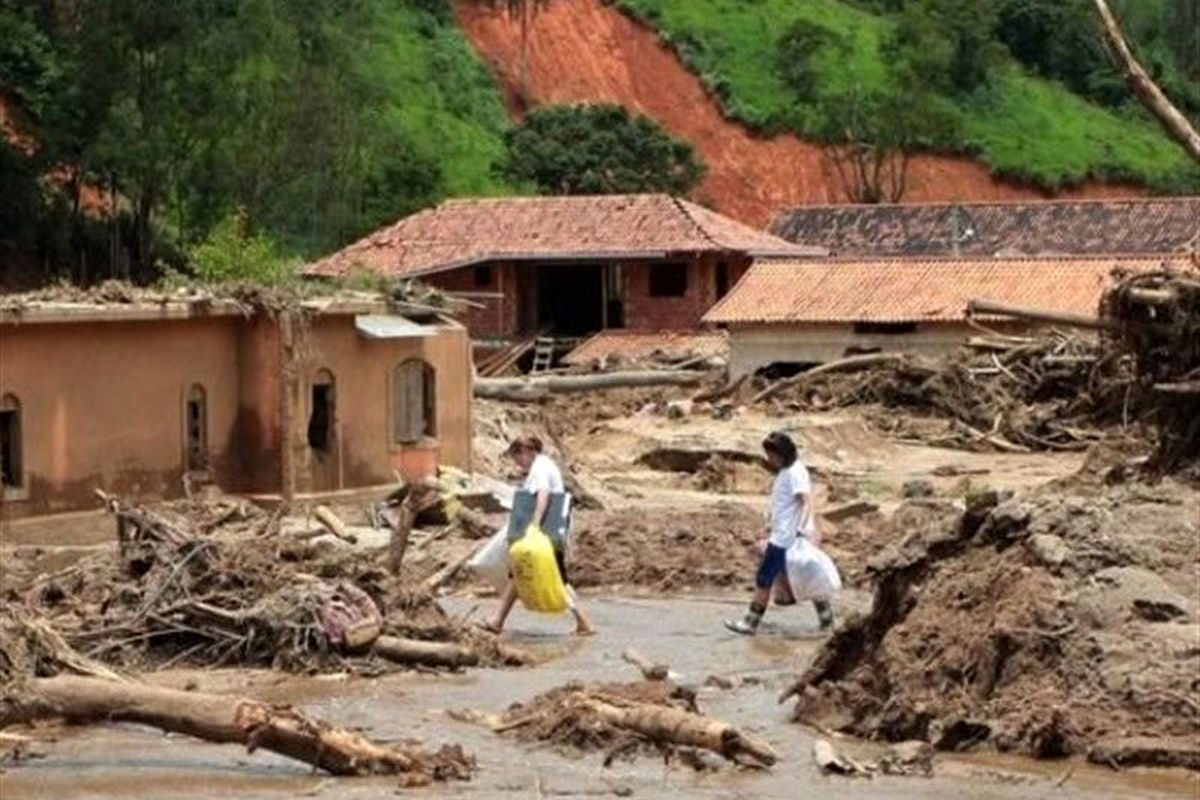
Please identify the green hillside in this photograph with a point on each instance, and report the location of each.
(1021, 124)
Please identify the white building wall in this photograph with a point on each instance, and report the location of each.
(753, 347)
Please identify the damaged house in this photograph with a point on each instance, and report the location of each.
(139, 396)
(568, 267)
(791, 315)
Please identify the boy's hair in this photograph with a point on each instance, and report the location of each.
(781, 445)
(530, 443)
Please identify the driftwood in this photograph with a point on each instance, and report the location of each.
(841, 365)
(533, 388)
(650, 671)
(720, 392)
(1145, 88)
(334, 525)
(226, 719)
(434, 654)
(1036, 314)
(676, 726)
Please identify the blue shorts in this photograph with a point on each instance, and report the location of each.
(774, 563)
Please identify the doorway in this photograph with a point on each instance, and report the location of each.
(571, 300)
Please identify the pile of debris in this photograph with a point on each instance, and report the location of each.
(212, 583)
(1157, 319)
(1059, 623)
(653, 716)
(1140, 377)
(1012, 394)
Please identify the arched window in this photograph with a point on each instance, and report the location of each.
(414, 401)
(321, 418)
(195, 416)
(12, 474)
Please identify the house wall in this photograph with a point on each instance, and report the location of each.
(753, 347)
(500, 318)
(102, 406)
(362, 371)
(496, 318)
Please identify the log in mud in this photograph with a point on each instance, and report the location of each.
(224, 719)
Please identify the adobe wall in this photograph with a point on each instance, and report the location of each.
(362, 370)
(102, 405)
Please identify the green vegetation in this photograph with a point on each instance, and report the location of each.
(1018, 121)
(316, 121)
(598, 149)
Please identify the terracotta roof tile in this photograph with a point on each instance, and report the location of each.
(917, 290)
(634, 345)
(461, 232)
(1102, 227)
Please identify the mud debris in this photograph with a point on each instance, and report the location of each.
(1042, 624)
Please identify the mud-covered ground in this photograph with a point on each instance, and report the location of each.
(1075, 618)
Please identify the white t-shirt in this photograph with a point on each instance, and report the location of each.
(543, 476)
(785, 516)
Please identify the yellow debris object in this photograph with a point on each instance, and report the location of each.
(534, 573)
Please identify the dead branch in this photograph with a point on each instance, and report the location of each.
(667, 724)
(334, 525)
(434, 654)
(226, 719)
(1144, 87)
(1035, 314)
(842, 364)
(650, 671)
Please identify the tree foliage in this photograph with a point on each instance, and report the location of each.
(318, 120)
(796, 51)
(598, 149)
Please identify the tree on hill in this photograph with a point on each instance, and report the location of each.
(598, 149)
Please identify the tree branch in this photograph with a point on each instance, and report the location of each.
(1147, 91)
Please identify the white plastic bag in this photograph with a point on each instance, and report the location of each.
(811, 572)
(491, 563)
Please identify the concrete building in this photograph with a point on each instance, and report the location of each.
(796, 314)
(569, 266)
(128, 397)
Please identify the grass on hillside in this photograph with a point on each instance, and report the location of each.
(442, 96)
(1021, 125)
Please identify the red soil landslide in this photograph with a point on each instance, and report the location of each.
(585, 51)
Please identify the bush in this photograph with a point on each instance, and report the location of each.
(597, 149)
(232, 252)
(795, 51)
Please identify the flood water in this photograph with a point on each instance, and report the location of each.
(125, 761)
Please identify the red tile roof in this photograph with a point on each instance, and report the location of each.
(1075, 227)
(917, 290)
(635, 345)
(461, 232)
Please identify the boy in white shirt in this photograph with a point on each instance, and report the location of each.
(791, 515)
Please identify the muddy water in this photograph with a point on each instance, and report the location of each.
(128, 761)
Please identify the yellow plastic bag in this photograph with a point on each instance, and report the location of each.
(534, 573)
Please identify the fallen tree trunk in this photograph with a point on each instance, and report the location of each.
(1036, 314)
(1145, 88)
(531, 388)
(667, 724)
(433, 654)
(841, 365)
(226, 719)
